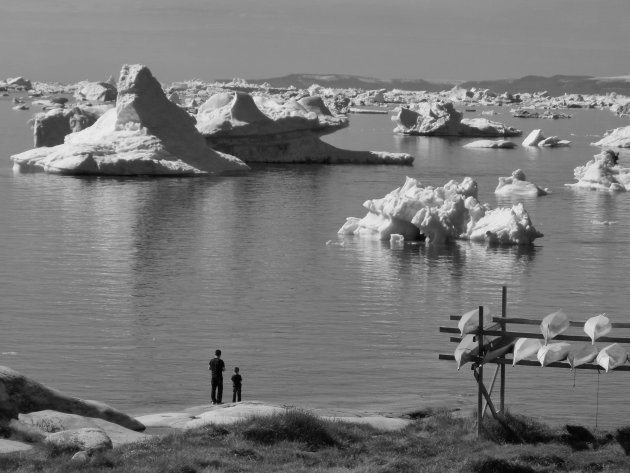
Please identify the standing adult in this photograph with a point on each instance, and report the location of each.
(217, 367)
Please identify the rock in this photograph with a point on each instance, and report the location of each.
(617, 138)
(96, 91)
(491, 144)
(50, 421)
(535, 137)
(145, 134)
(51, 127)
(20, 82)
(88, 439)
(261, 129)
(81, 457)
(12, 446)
(21, 395)
(174, 97)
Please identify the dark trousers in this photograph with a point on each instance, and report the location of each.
(217, 389)
(236, 394)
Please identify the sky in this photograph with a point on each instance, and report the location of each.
(72, 40)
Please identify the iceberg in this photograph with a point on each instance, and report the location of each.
(602, 173)
(145, 134)
(439, 118)
(517, 185)
(503, 144)
(536, 138)
(263, 129)
(442, 214)
(617, 138)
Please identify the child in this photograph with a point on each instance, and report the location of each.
(237, 380)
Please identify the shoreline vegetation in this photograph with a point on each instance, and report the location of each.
(297, 440)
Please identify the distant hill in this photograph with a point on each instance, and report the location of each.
(555, 85)
(343, 81)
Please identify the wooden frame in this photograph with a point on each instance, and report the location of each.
(501, 361)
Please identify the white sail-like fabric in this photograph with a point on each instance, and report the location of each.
(581, 354)
(470, 320)
(464, 351)
(554, 324)
(597, 326)
(553, 352)
(525, 348)
(612, 356)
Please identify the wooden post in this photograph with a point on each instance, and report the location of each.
(503, 329)
(480, 370)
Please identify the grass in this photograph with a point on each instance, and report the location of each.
(297, 441)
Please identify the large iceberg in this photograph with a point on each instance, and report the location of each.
(602, 173)
(263, 129)
(439, 118)
(442, 214)
(145, 134)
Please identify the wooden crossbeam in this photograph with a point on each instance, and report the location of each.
(572, 338)
(557, 364)
(523, 321)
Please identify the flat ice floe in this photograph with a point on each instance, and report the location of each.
(602, 173)
(441, 214)
(617, 138)
(517, 185)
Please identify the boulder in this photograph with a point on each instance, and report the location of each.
(617, 138)
(96, 91)
(49, 421)
(21, 395)
(88, 439)
(145, 134)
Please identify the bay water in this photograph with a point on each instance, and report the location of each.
(121, 289)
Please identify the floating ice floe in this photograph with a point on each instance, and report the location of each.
(525, 349)
(554, 324)
(597, 326)
(617, 138)
(602, 173)
(145, 134)
(536, 138)
(553, 352)
(503, 144)
(441, 214)
(517, 185)
(612, 357)
(581, 354)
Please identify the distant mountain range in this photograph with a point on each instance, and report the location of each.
(555, 85)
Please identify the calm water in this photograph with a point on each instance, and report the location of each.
(120, 289)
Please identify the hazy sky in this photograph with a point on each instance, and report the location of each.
(71, 40)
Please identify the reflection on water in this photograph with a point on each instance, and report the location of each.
(121, 289)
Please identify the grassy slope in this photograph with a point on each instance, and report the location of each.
(299, 442)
